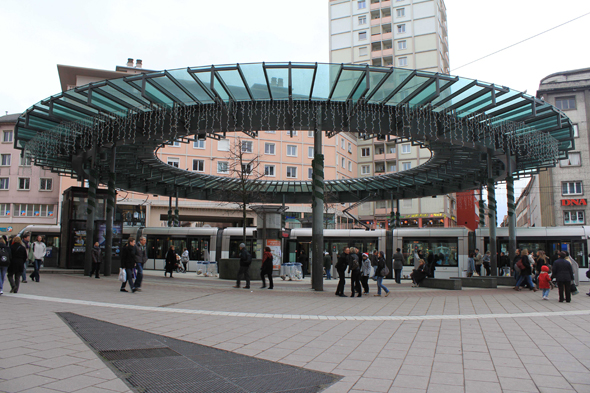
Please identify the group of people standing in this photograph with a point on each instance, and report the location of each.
(360, 271)
(133, 258)
(14, 256)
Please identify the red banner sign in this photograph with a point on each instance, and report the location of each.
(574, 202)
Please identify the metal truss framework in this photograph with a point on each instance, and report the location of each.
(461, 121)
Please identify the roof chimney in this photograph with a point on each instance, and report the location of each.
(130, 62)
(138, 63)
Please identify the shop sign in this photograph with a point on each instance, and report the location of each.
(424, 215)
(574, 202)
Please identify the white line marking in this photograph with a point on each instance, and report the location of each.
(294, 316)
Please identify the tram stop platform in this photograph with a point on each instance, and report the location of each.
(199, 334)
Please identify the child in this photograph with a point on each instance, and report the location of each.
(545, 281)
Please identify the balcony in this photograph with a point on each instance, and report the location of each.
(388, 52)
(376, 54)
(386, 19)
(375, 22)
(386, 36)
(375, 5)
(386, 4)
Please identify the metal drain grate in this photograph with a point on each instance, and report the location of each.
(152, 363)
(138, 353)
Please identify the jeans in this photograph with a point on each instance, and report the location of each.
(2, 275)
(36, 267)
(129, 274)
(329, 273)
(24, 275)
(564, 286)
(14, 280)
(545, 292)
(527, 279)
(398, 275)
(380, 285)
(244, 271)
(139, 275)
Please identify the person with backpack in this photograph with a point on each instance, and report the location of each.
(39, 249)
(380, 272)
(17, 263)
(355, 273)
(245, 262)
(5, 257)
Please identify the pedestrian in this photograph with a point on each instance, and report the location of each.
(96, 260)
(303, 261)
(564, 275)
(26, 243)
(545, 281)
(365, 273)
(478, 261)
(379, 275)
(128, 263)
(184, 260)
(38, 249)
(17, 263)
(140, 260)
(503, 262)
(171, 261)
(245, 261)
(328, 265)
(487, 258)
(355, 273)
(343, 262)
(514, 265)
(470, 264)
(266, 268)
(524, 264)
(418, 275)
(398, 265)
(575, 267)
(5, 257)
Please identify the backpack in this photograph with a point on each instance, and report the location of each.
(354, 264)
(4, 257)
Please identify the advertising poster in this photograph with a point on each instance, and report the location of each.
(275, 249)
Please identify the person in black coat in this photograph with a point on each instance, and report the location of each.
(4, 263)
(343, 263)
(17, 264)
(171, 261)
(96, 260)
(564, 275)
(245, 262)
(128, 263)
(266, 268)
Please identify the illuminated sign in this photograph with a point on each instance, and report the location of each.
(574, 202)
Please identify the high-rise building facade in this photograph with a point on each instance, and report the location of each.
(405, 34)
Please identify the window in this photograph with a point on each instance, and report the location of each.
(350, 147)
(571, 188)
(401, 12)
(45, 184)
(25, 160)
(350, 166)
(402, 61)
(247, 146)
(246, 168)
(362, 20)
(292, 172)
(406, 166)
(573, 217)
(392, 168)
(343, 162)
(176, 144)
(269, 148)
(175, 162)
(380, 204)
(401, 45)
(7, 136)
(573, 159)
(401, 28)
(222, 167)
(270, 132)
(200, 144)
(291, 151)
(199, 165)
(310, 134)
(565, 103)
(24, 183)
(293, 133)
(363, 51)
(223, 145)
(365, 169)
(391, 150)
(310, 152)
(362, 35)
(5, 160)
(342, 143)
(269, 170)
(4, 209)
(407, 148)
(407, 203)
(309, 173)
(362, 4)
(576, 132)
(366, 152)
(4, 183)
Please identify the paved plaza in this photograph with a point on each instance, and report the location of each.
(415, 340)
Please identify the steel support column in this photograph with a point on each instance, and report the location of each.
(492, 216)
(317, 276)
(169, 212)
(511, 208)
(482, 211)
(90, 214)
(176, 212)
(111, 206)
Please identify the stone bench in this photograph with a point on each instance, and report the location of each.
(508, 281)
(442, 283)
(478, 282)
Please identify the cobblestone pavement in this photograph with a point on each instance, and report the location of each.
(414, 340)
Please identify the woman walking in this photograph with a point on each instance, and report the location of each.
(5, 257)
(380, 267)
(526, 270)
(171, 261)
(17, 264)
(184, 259)
(266, 268)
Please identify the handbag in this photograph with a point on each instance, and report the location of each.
(384, 272)
(122, 275)
(520, 265)
(574, 289)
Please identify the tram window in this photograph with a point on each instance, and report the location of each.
(234, 246)
(532, 247)
(579, 253)
(199, 249)
(445, 249)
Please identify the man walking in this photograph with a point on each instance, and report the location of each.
(27, 244)
(140, 259)
(478, 261)
(96, 260)
(343, 262)
(128, 263)
(398, 265)
(245, 261)
(564, 275)
(39, 250)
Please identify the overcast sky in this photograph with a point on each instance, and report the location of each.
(40, 34)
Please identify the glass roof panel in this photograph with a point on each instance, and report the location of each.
(254, 75)
(77, 104)
(187, 81)
(302, 80)
(41, 123)
(131, 89)
(324, 80)
(408, 89)
(346, 82)
(398, 77)
(154, 94)
(221, 92)
(461, 83)
(375, 78)
(106, 104)
(474, 106)
(425, 95)
(234, 83)
(177, 92)
(114, 92)
(360, 89)
(69, 114)
(278, 80)
(466, 94)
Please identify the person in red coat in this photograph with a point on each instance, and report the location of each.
(545, 281)
(266, 268)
